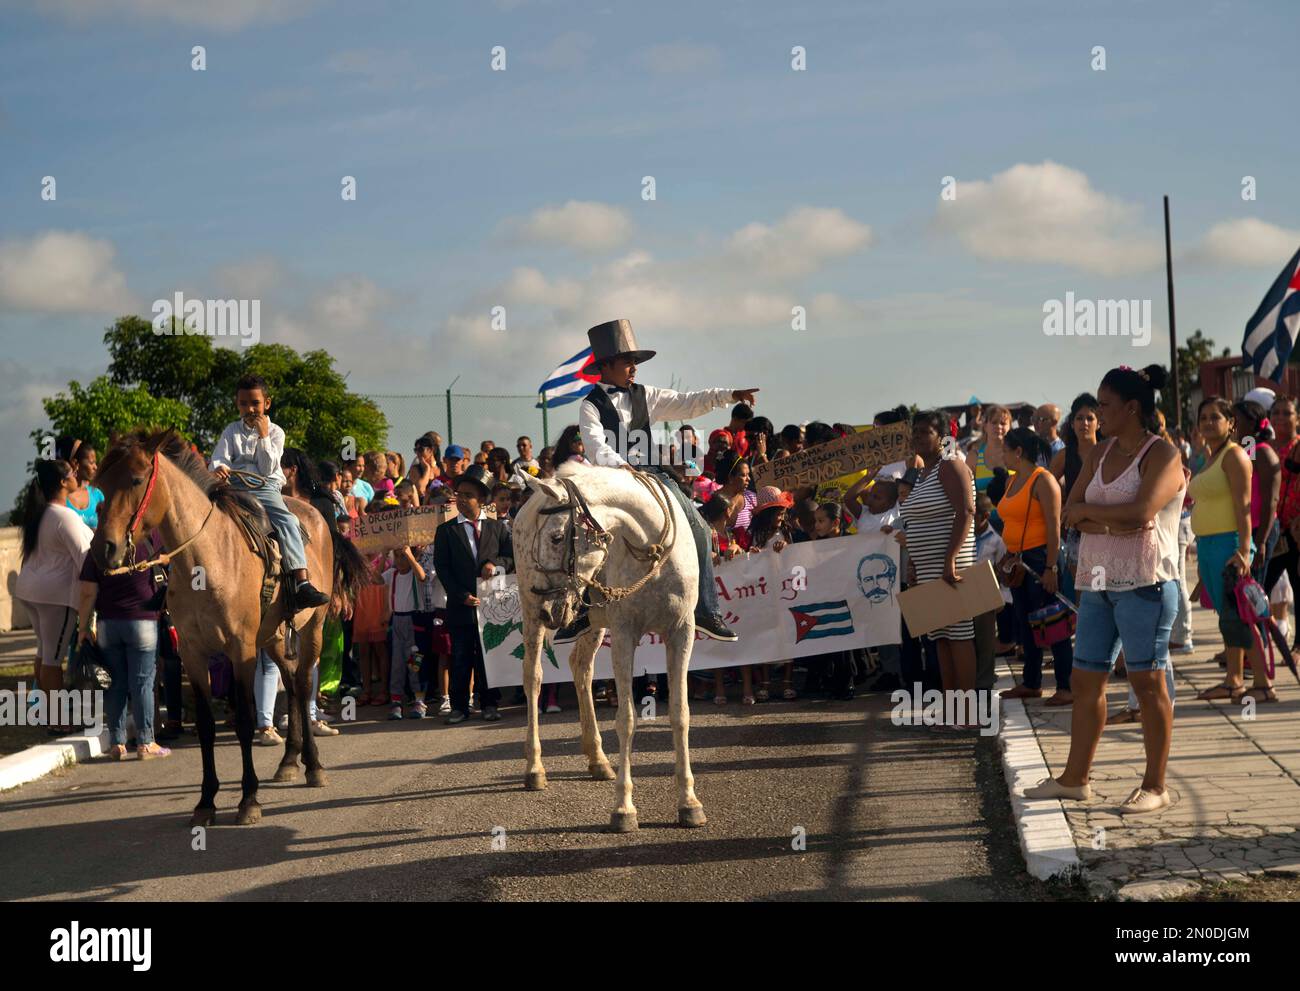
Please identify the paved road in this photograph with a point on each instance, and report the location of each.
(889, 813)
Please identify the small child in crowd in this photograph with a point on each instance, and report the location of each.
(990, 547)
(402, 581)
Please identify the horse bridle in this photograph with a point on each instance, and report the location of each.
(579, 515)
(137, 517)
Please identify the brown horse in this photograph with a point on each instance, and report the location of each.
(214, 593)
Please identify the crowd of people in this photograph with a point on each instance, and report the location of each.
(1086, 518)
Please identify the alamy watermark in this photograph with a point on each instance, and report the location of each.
(179, 316)
(62, 707)
(946, 708)
(1072, 317)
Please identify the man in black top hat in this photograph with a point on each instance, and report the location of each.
(615, 418)
(467, 548)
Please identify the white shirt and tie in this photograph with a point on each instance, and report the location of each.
(661, 405)
(471, 530)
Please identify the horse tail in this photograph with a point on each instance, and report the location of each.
(351, 572)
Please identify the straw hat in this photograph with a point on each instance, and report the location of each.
(769, 496)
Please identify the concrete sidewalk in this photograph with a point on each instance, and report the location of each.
(1235, 782)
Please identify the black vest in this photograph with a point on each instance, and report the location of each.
(635, 434)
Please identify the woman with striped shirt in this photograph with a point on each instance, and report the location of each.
(938, 506)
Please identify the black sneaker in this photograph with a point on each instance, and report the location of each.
(715, 629)
(307, 596)
(570, 633)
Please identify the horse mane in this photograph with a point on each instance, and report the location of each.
(243, 510)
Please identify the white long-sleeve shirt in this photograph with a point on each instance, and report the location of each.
(240, 447)
(661, 405)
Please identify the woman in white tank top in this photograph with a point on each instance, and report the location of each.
(1126, 503)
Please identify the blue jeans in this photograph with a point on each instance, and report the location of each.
(264, 693)
(287, 527)
(130, 649)
(707, 603)
(1139, 620)
(1030, 596)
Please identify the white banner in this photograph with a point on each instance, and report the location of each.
(817, 597)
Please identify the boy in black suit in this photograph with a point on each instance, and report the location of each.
(470, 547)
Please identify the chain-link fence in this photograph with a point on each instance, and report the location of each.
(470, 419)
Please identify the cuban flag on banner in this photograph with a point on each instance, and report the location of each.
(1271, 332)
(570, 382)
(821, 619)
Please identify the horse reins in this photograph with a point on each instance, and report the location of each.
(580, 515)
(137, 518)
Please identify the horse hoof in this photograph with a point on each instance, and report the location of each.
(316, 778)
(535, 781)
(691, 817)
(249, 814)
(601, 772)
(286, 773)
(623, 822)
(203, 818)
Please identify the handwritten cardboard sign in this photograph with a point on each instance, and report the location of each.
(873, 447)
(935, 604)
(393, 528)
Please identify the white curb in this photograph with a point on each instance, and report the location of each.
(38, 761)
(1046, 839)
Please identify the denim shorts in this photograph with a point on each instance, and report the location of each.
(1139, 620)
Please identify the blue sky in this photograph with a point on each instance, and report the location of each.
(774, 188)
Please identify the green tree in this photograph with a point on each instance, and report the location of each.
(1192, 353)
(309, 399)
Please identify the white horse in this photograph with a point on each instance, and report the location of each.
(618, 530)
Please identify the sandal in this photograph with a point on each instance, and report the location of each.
(152, 751)
(1268, 695)
(1220, 693)
(1125, 715)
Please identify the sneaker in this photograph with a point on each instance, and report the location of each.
(715, 629)
(456, 717)
(418, 711)
(474, 708)
(552, 706)
(268, 737)
(490, 714)
(307, 596)
(395, 711)
(444, 707)
(282, 724)
(319, 728)
(570, 633)
(1182, 648)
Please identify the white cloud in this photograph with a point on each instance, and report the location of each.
(1048, 213)
(586, 226)
(1247, 242)
(382, 69)
(799, 243)
(680, 57)
(62, 272)
(227, 15)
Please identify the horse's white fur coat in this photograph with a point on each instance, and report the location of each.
(665, 605)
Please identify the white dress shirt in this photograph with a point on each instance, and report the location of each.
(465, 521)
(241, 448)
(661, 405)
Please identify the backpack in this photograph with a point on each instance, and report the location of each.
(1252, 609)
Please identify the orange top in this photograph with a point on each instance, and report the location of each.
(1012, 509)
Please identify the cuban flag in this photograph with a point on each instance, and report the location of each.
(570, 382)
(821, 619)
(1272, 331)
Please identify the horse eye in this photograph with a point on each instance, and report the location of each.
(137, 481)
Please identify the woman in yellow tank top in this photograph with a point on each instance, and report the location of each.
(1221, 523)
(1031, 527)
